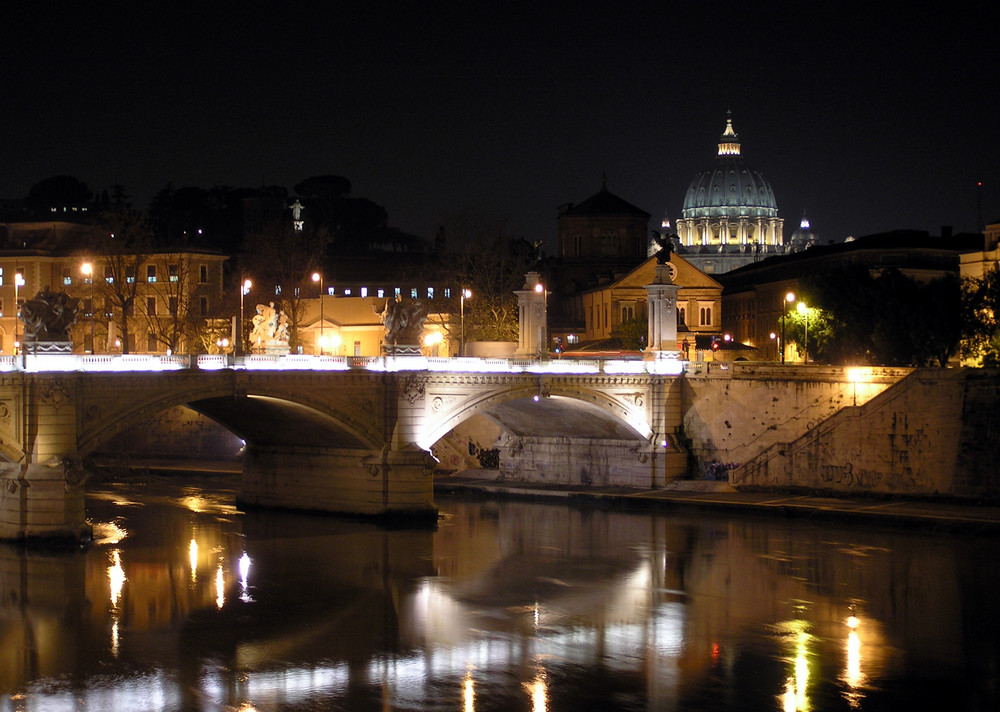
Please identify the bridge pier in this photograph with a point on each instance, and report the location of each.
(43, 501)
(373, 483)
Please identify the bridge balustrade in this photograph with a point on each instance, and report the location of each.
(33, 363)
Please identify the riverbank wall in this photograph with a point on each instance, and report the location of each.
(935, 433)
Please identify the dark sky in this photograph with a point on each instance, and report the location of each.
(869, 120)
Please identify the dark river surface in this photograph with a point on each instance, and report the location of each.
(185, 603)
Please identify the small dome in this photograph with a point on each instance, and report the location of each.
(730, 188)
(804, 237)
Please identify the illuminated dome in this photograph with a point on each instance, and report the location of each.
(730, 188)
(803, 238)
(730, 216)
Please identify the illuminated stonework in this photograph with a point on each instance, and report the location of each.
(730, 216)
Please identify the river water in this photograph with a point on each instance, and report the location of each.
(185, 603)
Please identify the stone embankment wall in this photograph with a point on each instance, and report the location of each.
(936, 432)
(735, 411)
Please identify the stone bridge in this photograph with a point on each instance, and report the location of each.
(353, 440)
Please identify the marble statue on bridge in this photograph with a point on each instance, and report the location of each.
(47, 318)
(270, 330)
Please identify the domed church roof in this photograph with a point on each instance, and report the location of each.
(804, 237)
(730, 188)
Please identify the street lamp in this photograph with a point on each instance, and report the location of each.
(789, 298)
(244, 290)
(804, 311)
(317, 277)
(466, 294)
(18, 282)
(543, 328)
(88, 276)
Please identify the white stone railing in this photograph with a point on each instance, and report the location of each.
(295, 362)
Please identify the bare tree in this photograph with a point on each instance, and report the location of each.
(280, 261)
(122, 241)
(172, 309)
(493, 269)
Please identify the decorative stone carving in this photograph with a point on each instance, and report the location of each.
(54, 393)
(404, 323)
(411, 389)
(47, 318)
(270, 329)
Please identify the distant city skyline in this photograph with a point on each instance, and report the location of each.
(865, 121)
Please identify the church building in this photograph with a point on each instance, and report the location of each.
(730, 217)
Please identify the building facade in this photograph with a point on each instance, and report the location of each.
(178, 303)
(755, 297)
(605, 310)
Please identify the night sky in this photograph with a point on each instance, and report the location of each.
(867, 120)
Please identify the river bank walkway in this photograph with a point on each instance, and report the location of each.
(924, 512)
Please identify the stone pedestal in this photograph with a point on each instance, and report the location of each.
(532, 300)
(401, 350)
(48, 347)
(273, 347)
(661, 313)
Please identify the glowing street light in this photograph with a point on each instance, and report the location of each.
(543, 329)
(466, 294)
(789, 298)
(317, 277)
(244, 290)
(804, 311)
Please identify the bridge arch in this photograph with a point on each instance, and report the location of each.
(592, 402)
(262, 414)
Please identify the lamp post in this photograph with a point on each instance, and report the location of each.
(18, 282)
(245, 286)
(466, 294)
(317, 277)
(804, 311)
(543, 329)
(88, 275)
(789, 298)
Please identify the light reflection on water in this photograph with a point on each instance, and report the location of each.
(505, 606)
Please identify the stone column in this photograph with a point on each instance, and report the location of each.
(661, 297)
(532, 301)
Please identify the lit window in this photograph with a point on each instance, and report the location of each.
(150, 273)
(347, 292)
(413, 292)
(447, 292)
(172, 273)
(364, 291)
(67, 279)
(381, 294)
(572, 339)
(396, 292)
(1, 276)
(109, 275)
(430, 292)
